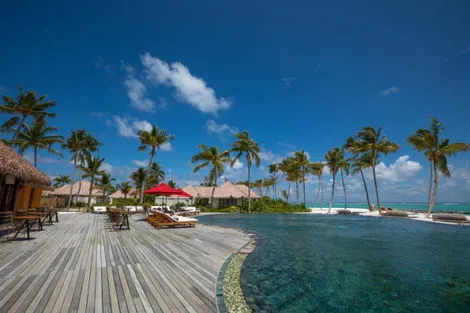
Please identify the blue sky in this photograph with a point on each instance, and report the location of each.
(295, 74)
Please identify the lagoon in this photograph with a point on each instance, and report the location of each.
(318, 263)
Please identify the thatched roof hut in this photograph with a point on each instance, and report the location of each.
(14, 165)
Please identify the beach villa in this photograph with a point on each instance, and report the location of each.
(118, 194)
(80, 191)
(224, 196)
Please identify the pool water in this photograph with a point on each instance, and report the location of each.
(320, 263)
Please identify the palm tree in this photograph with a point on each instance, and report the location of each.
(246, 145)
(316, 169)
(138, 177)
(26, 104)
(211, 157)
(285, 194)
(125, 188)
(79, 144)
(371, 141)
(358, 165)
(344, 169)
(152, 140)
(293, 175)
(91, 169)
(172, 184)
(301, 158)
(360, 162)
(273, 170)
(61, 180)
(38, 136)
(105, 182)
(258, 184)
(333, 161)
(155, 175)
(436, 151)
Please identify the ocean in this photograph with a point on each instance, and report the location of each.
(459, 207)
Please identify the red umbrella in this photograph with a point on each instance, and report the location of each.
(183, 193)
(162, 189)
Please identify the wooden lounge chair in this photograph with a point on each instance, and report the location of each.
(159, 220)
(450, 218)
(7, 226)
(396, 213)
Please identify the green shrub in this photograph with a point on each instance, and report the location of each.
(124, 202)
(268, 205)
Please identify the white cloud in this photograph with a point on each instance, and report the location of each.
(189, 88)
(137, 91)
(140, 163)
(220, 129)
(389, 91)
(269, 156)
(401, 170)
(237, 165)
(106, 167)
(41, 159)
(128, 127)
(166, 147)
(287, 81)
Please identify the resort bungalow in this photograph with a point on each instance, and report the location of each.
(21, 184)
(224, 196)
(80, 192)
(134, 193)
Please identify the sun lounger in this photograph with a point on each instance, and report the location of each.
(158, 220)
(139, 208)
(397, 213)
(452, 218)
(130, 208)
(99, 209)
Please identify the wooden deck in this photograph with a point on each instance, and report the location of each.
(82, 264)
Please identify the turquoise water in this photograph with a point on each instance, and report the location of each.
(320, 263)
(438, 207)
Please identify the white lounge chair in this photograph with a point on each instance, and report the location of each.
(130, 208)
(99, 209)
(139, 208)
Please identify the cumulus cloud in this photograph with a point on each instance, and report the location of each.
(237, 165)
(166, 147)
(137, 91)
(140, 163)
(402, 169)
(189, 88)
(106, 167)
(220, 129)
(389, 91)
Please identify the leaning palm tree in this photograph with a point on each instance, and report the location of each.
(38, 136)
(344, 169)
(244, 145)
(333, 161)
(152, 140)
(316, 169)
(436, 151)
(155, 175)
(211, 157)
(26, 104)
(61, 180)
(105, 183)
(79, 144)
(273, 170)
(371, 141)
(125, 188)
(301, 158)
(359, 163)
(92, 169)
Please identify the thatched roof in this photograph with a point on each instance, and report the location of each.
(11, 163)
(227, 190)
(119, 195)
(84, 190)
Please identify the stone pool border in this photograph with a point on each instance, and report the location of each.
(219, 293)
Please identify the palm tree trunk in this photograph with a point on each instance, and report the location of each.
(365, 187)
(305, 198)
(332, 193)
(213, 187)
(13, 140)
(91, 189)
(79, 184)
(35, 156)
(430, 185)
(145, 177)
(344, 190)
(71, 183)
(297, 193)
(376, 189)
(434, 193)
(275, 190)
(249, 188)
(321, 181)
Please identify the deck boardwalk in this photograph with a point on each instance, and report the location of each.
(82, 264)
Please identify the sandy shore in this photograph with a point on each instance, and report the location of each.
(365, 212)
